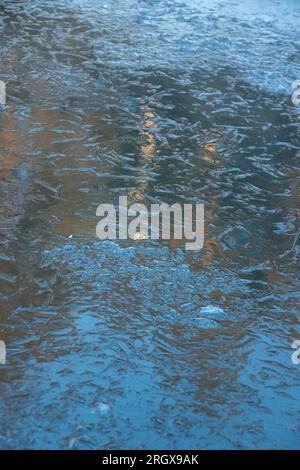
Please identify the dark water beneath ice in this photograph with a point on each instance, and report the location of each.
(141, 344)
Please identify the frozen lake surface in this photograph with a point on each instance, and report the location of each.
(141, 344)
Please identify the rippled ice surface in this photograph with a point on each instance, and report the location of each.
(143, 344)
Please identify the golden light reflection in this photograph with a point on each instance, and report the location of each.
(210, 146)
(10, 144)
(148, 149)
